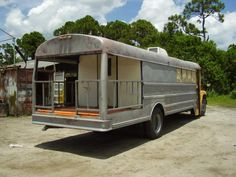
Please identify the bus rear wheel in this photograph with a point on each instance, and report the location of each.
(154, 126)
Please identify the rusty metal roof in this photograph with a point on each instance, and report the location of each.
(77, 44)
(30, 64)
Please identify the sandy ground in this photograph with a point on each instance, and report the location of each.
(201, 147)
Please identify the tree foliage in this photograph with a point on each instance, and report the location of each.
(86, 25)
(179, 24)
(143, 33)
(6, 54)
(29, 43)
(117, 30)
(231, 64)
(68, 27)
(203, 9)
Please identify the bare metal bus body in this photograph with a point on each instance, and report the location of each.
(112, 84)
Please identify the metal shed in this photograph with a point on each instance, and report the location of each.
(16, 88)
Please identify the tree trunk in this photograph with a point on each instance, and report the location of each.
(203, 22)
(203, 29)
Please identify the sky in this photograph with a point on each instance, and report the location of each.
(18, 17)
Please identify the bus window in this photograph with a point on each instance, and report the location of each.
(184, 75)
(178, 75)
(109, 67)
(189, 75)
(193, 76)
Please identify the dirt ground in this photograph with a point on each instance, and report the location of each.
(201, 147)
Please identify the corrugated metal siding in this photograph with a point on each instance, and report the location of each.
(2, 89)
(16, 90)
(10, 87)
(24, 91)
(3, 106)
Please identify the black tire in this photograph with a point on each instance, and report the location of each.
(203, 108)
(192, 114)
(154, 126)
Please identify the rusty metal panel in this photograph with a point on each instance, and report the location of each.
(16, 91)
(3, 105)
(3, 109)
(10, 89)
(24, 92)
(30, 64)
(2, 89)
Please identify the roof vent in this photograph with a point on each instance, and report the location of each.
(158, 50)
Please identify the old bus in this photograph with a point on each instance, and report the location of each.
(98, 84)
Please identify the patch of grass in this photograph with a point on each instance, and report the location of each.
(221, 100)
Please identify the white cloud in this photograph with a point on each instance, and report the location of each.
(224, 33)
(5, 2)
(158, 11)
(51, 14)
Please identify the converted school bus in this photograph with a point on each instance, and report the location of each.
(99, 84)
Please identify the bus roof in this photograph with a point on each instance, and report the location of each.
(78, 44)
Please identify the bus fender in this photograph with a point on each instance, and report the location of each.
(158, 104)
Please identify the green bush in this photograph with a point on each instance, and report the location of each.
(233, 94)
(211, 93)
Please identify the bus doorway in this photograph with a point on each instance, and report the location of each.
(65, 76)
(70, 91)
(55, 86)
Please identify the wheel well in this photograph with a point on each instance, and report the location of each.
(158, 105)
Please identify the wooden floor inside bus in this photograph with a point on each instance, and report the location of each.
(70, 112)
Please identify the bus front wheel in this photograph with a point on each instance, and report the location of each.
(203, 108)
(154, 126)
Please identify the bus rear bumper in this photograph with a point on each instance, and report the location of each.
(90, 124)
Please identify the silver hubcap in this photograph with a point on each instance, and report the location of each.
(156, 123)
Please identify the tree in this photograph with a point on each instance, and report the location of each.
(231, 56)
(203, 9)
(143, 33)
(66, 28)
(214, 67)
(118, 31)
(183, 46)
(30, 42)
(179, 24)
(6, 54)
(86, 25)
